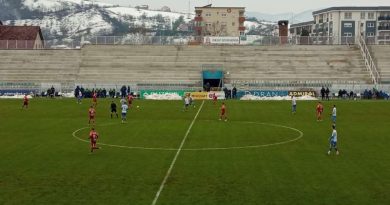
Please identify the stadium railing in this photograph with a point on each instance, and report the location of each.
(135, 39)
(369, 62)
(36, 45)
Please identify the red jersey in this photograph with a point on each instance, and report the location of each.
(94, 97)
(93, 136)
(215, 97)
(91, 112)
(130, 98)
(320, 108)
(25, 99)
(223, 108)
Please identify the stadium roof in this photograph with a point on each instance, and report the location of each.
(20, 32)
(353, 8)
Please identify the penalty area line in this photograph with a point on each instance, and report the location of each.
(175, 158)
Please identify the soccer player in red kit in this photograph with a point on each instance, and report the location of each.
(25, 102)
(92, 114)
(223, 112)
(319, 109)
(130, 100)
(215, 98)
(94, 99)
(93, 136)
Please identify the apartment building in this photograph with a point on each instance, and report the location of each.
(219, 21)
(346, 23)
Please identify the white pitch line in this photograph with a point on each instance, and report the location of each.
(175, 158)
(202, 149)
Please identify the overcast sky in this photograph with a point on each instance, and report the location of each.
(269, 6)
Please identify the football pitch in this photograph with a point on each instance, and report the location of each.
(262, 155)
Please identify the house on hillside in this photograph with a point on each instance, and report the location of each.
(21, 37)
(142, 7)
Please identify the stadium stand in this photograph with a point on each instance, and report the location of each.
(39, 66)
(183, 64)
(381, 57)
(178, 64)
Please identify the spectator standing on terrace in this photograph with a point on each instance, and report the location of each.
(76, 91)
(327, 93)
(207, 87)
(52, 91)
(340, 93)
(123, 91)
(322, 93)
(225, 90)
(104, 93)
(234, 92)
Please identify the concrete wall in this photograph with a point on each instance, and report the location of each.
(381, 57)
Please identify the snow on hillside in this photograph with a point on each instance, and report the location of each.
(70, 25)
(148, 13)
(55, 5)
(71, 19)
(81, 21)
(47, 5)
(85, 2)
(251, 24)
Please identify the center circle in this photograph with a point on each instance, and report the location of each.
(204, 135)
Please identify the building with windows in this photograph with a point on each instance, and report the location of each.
(343, 24)
(300, 28)
(219, 21)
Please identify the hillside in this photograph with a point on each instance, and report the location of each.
(68, 20)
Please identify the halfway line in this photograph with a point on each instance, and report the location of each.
(175, 158)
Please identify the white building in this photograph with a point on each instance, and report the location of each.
(342, 24)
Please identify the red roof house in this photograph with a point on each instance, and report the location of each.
(21, 37)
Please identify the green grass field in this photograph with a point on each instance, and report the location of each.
(261, 156)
